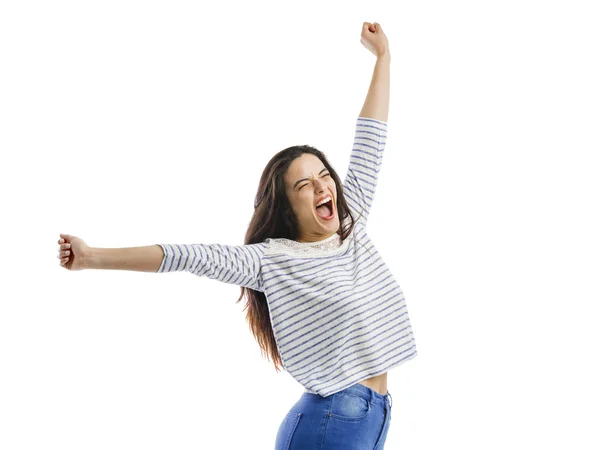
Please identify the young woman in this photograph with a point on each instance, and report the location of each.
(321, 302)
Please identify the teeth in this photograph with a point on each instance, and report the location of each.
(325, 200)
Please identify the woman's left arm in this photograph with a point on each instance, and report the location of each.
(377, 103)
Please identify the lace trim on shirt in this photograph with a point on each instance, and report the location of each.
(330, 246)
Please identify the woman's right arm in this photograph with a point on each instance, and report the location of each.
(232, 264)
(141, 259)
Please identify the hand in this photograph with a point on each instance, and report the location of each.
(374, 39)
(72, 251)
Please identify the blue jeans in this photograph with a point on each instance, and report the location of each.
(357, 418)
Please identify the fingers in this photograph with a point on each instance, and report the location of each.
(372, 27)
(64, 252)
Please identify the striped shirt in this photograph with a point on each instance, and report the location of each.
(338, 314)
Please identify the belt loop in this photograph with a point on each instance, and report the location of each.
(390, 395)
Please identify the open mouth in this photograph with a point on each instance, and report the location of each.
(325, 211)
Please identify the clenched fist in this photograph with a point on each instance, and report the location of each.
(72, 251)
(374, 39)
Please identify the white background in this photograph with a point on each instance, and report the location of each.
(135, 123)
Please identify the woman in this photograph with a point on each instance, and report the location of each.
(320, 300)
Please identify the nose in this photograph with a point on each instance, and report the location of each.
(319, 185)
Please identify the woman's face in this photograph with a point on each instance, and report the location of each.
(307, 181)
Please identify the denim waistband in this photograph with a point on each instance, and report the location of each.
(365, 392)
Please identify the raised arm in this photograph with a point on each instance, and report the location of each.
(371, 129)
(377, 103)
(363, 169)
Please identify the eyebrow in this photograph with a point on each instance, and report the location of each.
(306, 179)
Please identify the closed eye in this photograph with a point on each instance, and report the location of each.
(326, 175)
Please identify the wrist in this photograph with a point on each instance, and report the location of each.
(384, 55)
(90, 259)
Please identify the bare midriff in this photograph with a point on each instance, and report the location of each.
(378, 383)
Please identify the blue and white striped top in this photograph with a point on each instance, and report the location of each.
(338, 314)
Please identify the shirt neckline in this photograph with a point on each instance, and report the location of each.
(322, 241)
(330, 246)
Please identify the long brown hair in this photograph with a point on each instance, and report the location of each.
(274, 218)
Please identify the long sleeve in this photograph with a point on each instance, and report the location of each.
(365, 162)
(231, 264)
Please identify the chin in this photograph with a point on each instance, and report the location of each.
(332, 224)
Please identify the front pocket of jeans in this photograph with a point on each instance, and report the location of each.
(350, 408)
(286, 430)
